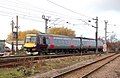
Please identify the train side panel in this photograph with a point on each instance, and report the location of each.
(64, 43)
(90, 44)
(59, 42)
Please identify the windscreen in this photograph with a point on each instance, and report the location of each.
(31, 39)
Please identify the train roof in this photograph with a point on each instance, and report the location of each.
(67, 36)
(31, 34)
(59, 36)
(2, 40)
(55, 35)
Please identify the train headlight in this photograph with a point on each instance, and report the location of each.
(34, 45)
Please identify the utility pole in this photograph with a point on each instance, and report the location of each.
(16, 33)
(96, 34)
(105, 46)
(12, 23)
(46, 22)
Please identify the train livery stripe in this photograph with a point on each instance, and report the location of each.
(51, 42)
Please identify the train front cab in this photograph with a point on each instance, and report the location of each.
(30, 43)
(35, 43)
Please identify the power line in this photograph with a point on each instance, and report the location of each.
(73, 12)
(38, 10)
(51, 12)
(21, 16)
(34, 10)
(28, 17)
(14, 10)
(67, 8)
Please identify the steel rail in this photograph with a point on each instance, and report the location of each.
(86, 70)
(11, 61)
(81, 67)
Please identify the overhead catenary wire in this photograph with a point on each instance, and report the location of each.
(37, 10)
(16, 11)
(68, 9)
(87, 17)
(24, 14)
(73, 11)
(21, 16)
(31, 17)
(13, 11)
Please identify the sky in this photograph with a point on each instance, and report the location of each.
(73, 14)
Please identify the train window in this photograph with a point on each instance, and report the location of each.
(27, 39)
(59, 41)
(47, 40)
(44, 40)
(66, 42)
(31, 39)
(41, 40)
(54, 41)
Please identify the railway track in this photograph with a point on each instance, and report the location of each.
(79, 70)
(12, 61)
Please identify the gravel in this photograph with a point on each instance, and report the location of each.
(55, 64)
(111, 70)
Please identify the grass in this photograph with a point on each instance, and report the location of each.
(51, 64)
(10, 73)
(42, 66)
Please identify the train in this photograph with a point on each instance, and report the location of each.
(4, 50)
(59, 44)
(2, 47)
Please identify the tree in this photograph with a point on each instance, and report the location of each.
(22, 34)
(62, 31)
(113, 46)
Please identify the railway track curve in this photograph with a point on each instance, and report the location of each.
(79, 70)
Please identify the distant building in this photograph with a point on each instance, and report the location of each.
(9, 44)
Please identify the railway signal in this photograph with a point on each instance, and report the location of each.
(46, 22)
(96, 33)
(15, 33)
(12, 24)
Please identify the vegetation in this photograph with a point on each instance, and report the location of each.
(30, 68)
(57, 31)
(62, 31)
(10, 73)
(113, 46)
(22, 34)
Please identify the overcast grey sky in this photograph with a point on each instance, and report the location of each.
(109, 5)
(60, 12)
